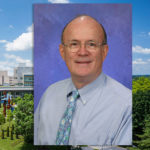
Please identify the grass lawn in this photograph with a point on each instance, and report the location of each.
(8, 144)
(16, 144)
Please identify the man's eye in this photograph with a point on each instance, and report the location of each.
(73, 44)
(92, 44)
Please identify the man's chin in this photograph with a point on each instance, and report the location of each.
(82, 74)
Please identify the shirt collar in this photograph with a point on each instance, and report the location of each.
(71, 88)
(88, 89)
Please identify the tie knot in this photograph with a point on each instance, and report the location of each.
(75, 94)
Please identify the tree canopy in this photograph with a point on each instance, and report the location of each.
(141, 112)
(24, 117)
(141, 83)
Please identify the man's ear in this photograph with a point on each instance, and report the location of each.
(61, 50)
(105, 51)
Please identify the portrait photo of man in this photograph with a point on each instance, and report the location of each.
(82, 74)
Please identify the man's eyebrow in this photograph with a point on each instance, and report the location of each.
(73, 40)
(91, 41)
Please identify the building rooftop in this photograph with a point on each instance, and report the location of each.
(16, 88)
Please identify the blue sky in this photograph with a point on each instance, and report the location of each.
(16, 32)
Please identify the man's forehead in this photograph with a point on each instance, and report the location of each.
(83, 22)
(83, 19)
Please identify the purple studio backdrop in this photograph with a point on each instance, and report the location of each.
(49, 21)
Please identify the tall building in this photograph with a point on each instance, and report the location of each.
(28, 79)
(4, 78)
(22, 74)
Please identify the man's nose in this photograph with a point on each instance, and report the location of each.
(82, 50)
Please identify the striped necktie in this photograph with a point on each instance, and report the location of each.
(63, 133)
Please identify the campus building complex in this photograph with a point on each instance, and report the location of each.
(18, 84)
(23, 76)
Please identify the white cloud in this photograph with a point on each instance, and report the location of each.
(11, 26)
(7, 66)
(139, 49)
(12, 61)
(18, 59)
(23, 42)
(30, 28)
(58, 1)
(141, 66)
(139, 61)
(149, 33)
(3, 41)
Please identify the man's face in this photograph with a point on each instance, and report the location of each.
(84, 63)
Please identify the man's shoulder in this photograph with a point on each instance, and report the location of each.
(118, 88)
(59, 85)
(55, 91)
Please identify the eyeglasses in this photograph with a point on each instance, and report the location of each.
(91, 45)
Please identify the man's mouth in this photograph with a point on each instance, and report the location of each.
(83, 62)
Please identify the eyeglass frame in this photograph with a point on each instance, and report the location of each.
(98, 44)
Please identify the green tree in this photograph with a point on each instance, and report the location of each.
(9, 115)
(24, 117)
(15, 100)
(2, 118)
(141, 108)
(144, 143)
(141, 83)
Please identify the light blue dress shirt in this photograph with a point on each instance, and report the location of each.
(103, 113)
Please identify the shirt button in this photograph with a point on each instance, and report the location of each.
(84, 102)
